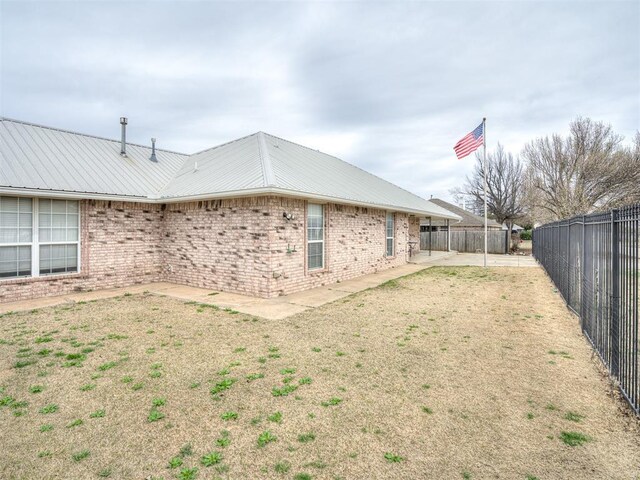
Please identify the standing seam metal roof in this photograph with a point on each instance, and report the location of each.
(35, 157)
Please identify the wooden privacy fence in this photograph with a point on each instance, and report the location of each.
(467, 241)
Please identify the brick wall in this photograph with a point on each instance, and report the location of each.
(120, 246)
(219, 244)
(354, 245)
(240, 245)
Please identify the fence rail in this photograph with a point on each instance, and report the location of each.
(467, 241)
(593, 260)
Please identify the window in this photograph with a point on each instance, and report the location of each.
(390, 230)
(58, 236)
(16, 236)
(315, 236)
(38, 236)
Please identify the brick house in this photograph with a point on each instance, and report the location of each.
(259, 216)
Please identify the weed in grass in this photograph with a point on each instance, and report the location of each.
(107, 366)
(286, 380)
(23, 363)
(224, 371)
(97, 414)
(43, 340)
(175, 462)
(532, 477)
(340, 354)
(275, 417)
(105, 473)
(21, 404)
(287, 371)
(81, 455)
(551, 406)
(306, 437)
(392, 457)
(51, 408)
(427, 410)
(75, 423)
(229, 416)
(186, 450)
(282, 467)
(316, 349)
(254, 376)
(331, 402)
(466, 475)
(240, 350)
(305, 381)
(6, 401)
(256, 421)
(155, 415)
(302, 476)
(36, 388)
(262, 360)
(47, 427)
(530, 416)
(353, 455)
(127, 379)
(283, 391)
(222, 385)
(573, 416)
(159, 402)
(137, 386)
(210, 459)
(194, 385)
(223, 442)
(574, 439)
(265, 437)
(44, 454)
(155, 374)
(188, 473)
(426, 386)
(44, 352)
(87, 387)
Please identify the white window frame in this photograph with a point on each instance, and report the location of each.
(35, 241)
(322, 241)
(393, 235)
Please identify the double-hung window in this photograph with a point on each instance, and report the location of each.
(390, 234)
(38, 236)
(315, 236)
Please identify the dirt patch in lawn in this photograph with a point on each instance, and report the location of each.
(449, 373)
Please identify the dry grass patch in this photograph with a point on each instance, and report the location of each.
(447, 373)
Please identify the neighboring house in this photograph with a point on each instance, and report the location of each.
(259, 215)
(515, 228)
(468, 221)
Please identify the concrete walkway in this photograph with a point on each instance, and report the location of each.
(280, 307)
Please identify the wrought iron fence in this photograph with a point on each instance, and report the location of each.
(593, 261)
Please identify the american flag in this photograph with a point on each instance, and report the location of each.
(470, 142)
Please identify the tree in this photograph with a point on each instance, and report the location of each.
(505, 177)
(588, 170)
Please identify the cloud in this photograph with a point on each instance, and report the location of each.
(387, 86)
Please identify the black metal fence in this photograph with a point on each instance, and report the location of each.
(593, 260)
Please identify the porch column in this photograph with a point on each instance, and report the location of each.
(429, 236)
(448, 235)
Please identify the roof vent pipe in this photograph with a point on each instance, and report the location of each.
(123, 141)
(153, 157)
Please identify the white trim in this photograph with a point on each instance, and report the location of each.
(322, 266)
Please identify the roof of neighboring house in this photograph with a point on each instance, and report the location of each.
(41, 160)
(468, 219)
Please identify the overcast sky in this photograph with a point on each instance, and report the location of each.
(388, 86)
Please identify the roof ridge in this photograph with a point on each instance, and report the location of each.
(348, 163)
(2, 119)
(223, 144)
(265, 160)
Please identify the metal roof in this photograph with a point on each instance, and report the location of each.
(467, 219)
(43, 159)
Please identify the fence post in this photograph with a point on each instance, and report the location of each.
(582, 267)
(615, 296)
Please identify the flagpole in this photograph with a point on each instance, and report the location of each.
(484, 168)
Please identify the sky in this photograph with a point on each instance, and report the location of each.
(387, 86)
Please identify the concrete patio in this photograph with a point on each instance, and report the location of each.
(284, 306)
